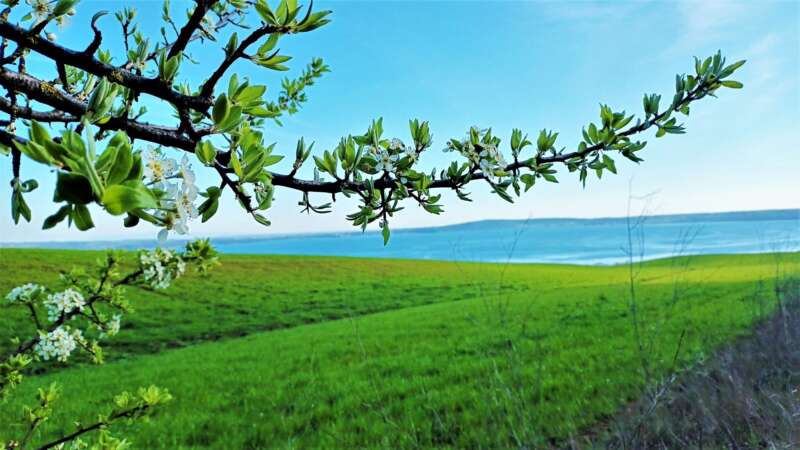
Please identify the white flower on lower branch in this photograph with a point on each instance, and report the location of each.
(25, 293)
(63, 302)
(58, 344)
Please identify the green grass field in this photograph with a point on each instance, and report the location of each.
(314, 352)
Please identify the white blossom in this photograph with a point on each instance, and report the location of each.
(186, 172)
(158, 168)
(40, 9)
(58, 344)
(26, 292)
(385, 161)
(180, 267)
(162, 235)
(411, 153)
(160, 267)
(63, 302)
(184, 202)
(488, 169)
(112, 326)
(180, 202)
(396, 144)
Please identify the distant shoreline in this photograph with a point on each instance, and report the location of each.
(728, 216)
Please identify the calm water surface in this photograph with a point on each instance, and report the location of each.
(597, 241)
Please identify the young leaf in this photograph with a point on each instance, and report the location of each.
(82, 218)
(385, 231)
(220, 110)
(121, 198)
(732, 84)
(60, 215)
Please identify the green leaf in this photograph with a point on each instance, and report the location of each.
(73, 188)
(550, 178)
(38, 133)
(206, 153)
(592, 132)
(250, 93)
(232, 120)
(28, 186)
(137, 169)
(233, 85)
(220, 110)
(87, 165)
(236, 165)
(82, 218)
(106, 159)
(609, 163)
(272, 159)
(122, 198)
(385, 231)
(732, 84)
(265, 12)
(314, 21)
(731, 68)
(261, 219)
(121, 168)
(208, 208)
(98, 96)
(528, 179)
(63, 7)
(19, 208)
(270, 43)
(56, 218)
(233, 43)
(131, 221)
(34, 151)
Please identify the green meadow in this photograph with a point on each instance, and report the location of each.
(313, 352)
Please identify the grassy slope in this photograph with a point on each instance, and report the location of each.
(549, 352)
(253, 293)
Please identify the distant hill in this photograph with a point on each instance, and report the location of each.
(731, 216)
(545, 240)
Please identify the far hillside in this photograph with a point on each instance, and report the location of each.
(558, 240)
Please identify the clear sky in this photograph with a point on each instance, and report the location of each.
(529, 65)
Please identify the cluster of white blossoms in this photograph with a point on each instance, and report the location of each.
(158, 168)
(160, 267)
(63, 302)
(112, 326)
(387, 158)
(58, 344)
(491, 160)
(185, 197)
(179, 206)
(42, 10)
(486, 156)
(25, 293)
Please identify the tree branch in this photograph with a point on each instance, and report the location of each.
(203, 6)
(51, 96)
(41, 116)
(152, 86)
(208, 86)
(96, 426)
(160, 135)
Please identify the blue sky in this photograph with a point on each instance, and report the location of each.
(529, 65)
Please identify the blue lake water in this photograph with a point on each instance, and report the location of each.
(595, 241)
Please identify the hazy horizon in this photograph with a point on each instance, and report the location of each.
(353, 230)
